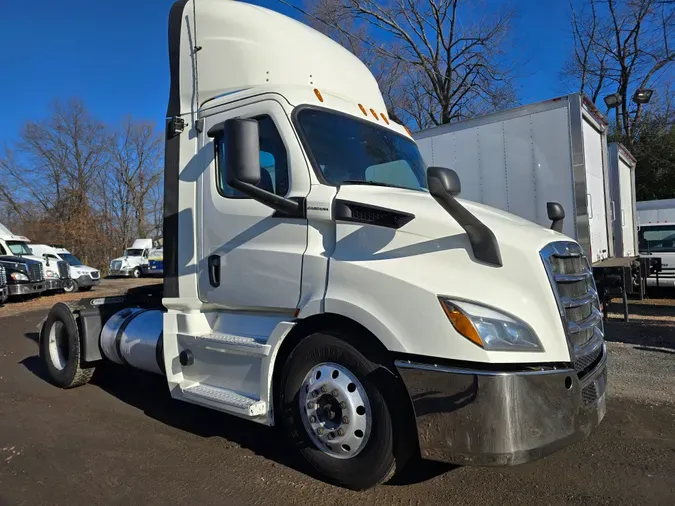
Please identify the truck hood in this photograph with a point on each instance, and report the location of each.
(431, 256)
(130, 260)
(20, 259)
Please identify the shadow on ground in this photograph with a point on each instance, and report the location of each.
(149, 393)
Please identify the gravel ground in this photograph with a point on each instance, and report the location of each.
(122, 439)
(108, 286)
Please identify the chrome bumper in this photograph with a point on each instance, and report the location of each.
(53, 284)
(121, 272)
(26, 288)
(4, 294)
(473, 417)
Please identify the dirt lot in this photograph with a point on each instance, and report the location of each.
(122, 439)
(108, 286)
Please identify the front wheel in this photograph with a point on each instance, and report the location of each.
(70, 286)
(136, 273)
(338, 407)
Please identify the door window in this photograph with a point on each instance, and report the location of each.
(658, 239)
(273, 162)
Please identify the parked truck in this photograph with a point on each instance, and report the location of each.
(656, 238)
(520, 159)
(81, 277)
(155, 265)
(134, 260)
(319, 278)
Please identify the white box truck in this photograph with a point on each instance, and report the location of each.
(656, 238)
(622, 190)
(134, 260)
(520, 159)
(317, 277)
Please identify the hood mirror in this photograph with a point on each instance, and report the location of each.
(444, 186)
(556, 214)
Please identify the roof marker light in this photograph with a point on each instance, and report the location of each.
(384, 117)
(363, 110)
(318, 95)
(372, 111)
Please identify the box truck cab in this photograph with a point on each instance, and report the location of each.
(81, 277)
(656, 238)
(133, 261)
(319, 278)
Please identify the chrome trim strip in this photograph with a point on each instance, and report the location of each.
(407, 364)
(588, 323)
(569, 302)
(571, 278)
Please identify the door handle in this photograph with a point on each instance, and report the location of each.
(214, 270)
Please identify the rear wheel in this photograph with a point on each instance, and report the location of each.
(61, 350)
(340, 411)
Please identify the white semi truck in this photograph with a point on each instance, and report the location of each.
(134, 260)
(318, 278)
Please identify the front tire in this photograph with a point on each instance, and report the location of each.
(338, 408)
(136, 273)
(61, 349)
(71, 286)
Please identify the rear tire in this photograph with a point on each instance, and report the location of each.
(61, 349)
(384, 449)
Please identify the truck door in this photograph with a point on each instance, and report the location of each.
(594, 159)
(251, 257)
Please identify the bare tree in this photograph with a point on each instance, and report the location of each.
(621, 46)
(436, 61)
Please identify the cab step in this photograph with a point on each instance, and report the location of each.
(229, 400)
(240, 345)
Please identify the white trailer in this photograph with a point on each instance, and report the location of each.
(622, 188)
(520, 159)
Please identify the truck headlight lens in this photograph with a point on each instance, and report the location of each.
(489, 328)
(17, 276)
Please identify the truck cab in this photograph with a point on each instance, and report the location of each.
(27, 273)
(320, 278)
(79, 276)
(134, 260)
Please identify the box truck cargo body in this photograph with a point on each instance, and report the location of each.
(656, 238)
(622, 190)
(520, 159)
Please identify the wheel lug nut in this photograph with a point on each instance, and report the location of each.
(310, 405)
(343, 405)
(331, 435)
(334, 393)
(319, 431)
(341, 432)
(345, 420)
(315, 393)
(312, 419)
(323, 389)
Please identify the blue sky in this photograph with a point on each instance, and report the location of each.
(113, 54)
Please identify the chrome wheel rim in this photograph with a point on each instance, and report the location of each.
(335, 410)
(58, 346)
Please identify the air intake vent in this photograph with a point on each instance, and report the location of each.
(371, 215)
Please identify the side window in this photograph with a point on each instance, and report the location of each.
(273, 162)
(3, 251)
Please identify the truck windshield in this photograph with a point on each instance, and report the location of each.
(70, 258)
(352, 151)
(19, 248)
(657, 239)
(133, 252)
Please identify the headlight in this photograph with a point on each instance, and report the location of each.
(17, 276)
(489, 328)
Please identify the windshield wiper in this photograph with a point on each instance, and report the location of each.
(373, 183)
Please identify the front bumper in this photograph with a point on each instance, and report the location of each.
(121, 272)
(473, 417)
(26, 288)
(4, 294)
(85, 280)
(52, 284)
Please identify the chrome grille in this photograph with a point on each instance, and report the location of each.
(3, 276)
(64, 270)
(35, 272)
(95, 274)
(572, 281)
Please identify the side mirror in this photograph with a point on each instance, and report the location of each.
(444, 186)
(556, 214)
(46, 258)
(243, 151)
(242, 143)
(441, 179)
